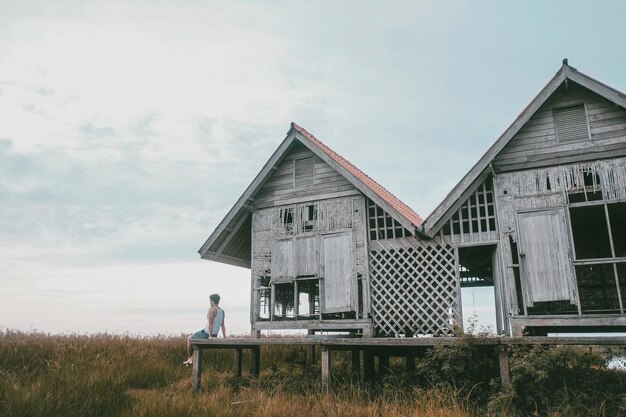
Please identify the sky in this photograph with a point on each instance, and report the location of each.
(128, 129)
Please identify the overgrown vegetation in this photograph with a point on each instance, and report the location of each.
(104, 375)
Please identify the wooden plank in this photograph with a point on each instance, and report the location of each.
(255, 360)
(545, 254)
(196, 373)
(238, 362)
(338, 272)
(505, 374)
(326, 359)
(356, 365)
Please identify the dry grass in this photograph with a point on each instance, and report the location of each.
(104, 375)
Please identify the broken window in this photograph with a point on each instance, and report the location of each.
(308, 216)
(598, 232)
(591, 235)
(617, 218)
(285, 219)
(583, 183)
(597, 289)
(284, 300)
(264, 294)
(308, 298)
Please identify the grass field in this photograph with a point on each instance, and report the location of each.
(105, 375)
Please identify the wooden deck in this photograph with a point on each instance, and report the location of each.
(383, 348)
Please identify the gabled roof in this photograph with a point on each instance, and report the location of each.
(481, 169)
(238, 215)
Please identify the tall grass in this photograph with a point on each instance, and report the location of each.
(105, 375)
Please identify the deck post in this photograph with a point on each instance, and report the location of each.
(368, 365)
(383, 364)
(255, 360)
(505, 376)
(326, 358)
(410, 362)
(356, 365)
(238, 362)
(197, 369)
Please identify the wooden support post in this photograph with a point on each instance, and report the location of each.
(383, 364)
(310, 354)
(255, 360)
(410, 362)
(505, 376)
(326, 358)
(196, 372)
(238, 362)
(356, 365)
(368, 365)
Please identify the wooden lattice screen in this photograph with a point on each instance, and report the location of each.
(413, 287)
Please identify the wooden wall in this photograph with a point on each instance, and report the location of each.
(280, 188)
(536, 144)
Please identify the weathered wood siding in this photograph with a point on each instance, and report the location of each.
(281, 188)
(546, 189)
(536, 144)
(332, 247)
(545, 256)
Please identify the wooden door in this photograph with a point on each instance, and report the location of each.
(338, 272)
(282, 260)
(545, 257)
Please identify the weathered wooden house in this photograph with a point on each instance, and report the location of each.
(542, 215)
(331, 249)
(541, 218)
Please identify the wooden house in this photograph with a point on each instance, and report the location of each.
(541, 218)
(330, 249)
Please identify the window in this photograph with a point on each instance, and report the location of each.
(600, 245)
(382, 225)
(304, 172)
(571, 123)
(591, 236)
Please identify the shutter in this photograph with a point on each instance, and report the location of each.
(571, 123)
(304, 171)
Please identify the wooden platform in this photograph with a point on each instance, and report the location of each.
(383, 348)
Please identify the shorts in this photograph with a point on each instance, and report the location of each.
(201, 334)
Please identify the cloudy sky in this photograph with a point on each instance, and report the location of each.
(129, 128)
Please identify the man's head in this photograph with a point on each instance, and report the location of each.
(215, 298)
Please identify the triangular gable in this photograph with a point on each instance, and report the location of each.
(229, 231)
(481, 170)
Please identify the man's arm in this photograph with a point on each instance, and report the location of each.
(224, 326)
(211, 316)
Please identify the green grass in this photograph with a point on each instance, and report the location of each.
(105, 375)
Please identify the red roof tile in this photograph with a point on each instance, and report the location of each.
(368, 182)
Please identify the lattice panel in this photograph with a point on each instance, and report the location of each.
(414, 289)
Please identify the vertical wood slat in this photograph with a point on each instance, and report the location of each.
(486, 205)
(326, 359)
(238, 361)
(196, 373)
(255, 360)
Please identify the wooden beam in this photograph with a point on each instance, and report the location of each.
(505, 375)
(196, 373)
(238, 362)
(356, 365)
(255, 360)
(326, 358)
